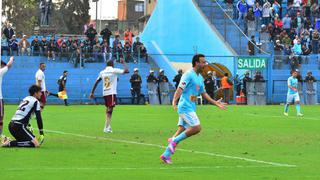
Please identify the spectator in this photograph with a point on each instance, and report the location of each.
(128, 35)
(276, 7)
(162, 77)
(305, 52)
(278, 24)
(87, 48)
(264, 38)
(266, 11)
(297, 48)
(91, 34)
(226, 85)
(296, 39)
(5, 46)
(286, 40)
(237, 83)
(278, 52)
(69, 43)
(257, 15)
(297, 5)
(298, 22)
(105, 48)
(138, 48)
(315, 41)
(35, 45)
(242, 10)
(250, 3)
(52, 49)
(216, 81)
(24, 46)
(286, 23)
(314, 12)
(251, 46)
(306, 8)
(106, 33)
(250, 22)
(127, 50)
(309, 78)
(245, 80)
(97, 49)
(177, 78)
(14, 46)
(44, 45)
(288, 53)
(8, 32)
(209, 85)
(305, 37)
(258, 77)
(136, 81)
(118, 54)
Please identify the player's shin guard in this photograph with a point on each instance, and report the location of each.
(286, 108)
(180, 137)
(298, 108)
(21, 144)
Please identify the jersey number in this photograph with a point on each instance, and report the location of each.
(107, 82)
(23, 104)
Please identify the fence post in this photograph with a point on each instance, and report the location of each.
(270, 79)
(235, 70)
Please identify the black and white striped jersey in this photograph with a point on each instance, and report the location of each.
(27, 107)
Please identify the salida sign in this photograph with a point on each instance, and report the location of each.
(252, 63)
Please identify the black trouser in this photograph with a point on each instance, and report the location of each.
(136, 92)
(22, 135)
(211, 94)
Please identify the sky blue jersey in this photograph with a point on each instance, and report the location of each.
(293, 82)
(192, 85)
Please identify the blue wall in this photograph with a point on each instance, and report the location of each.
(80, 81)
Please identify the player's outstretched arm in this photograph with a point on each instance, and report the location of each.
(9, 64)
(176, 97)
(94, 88)
(218, 103)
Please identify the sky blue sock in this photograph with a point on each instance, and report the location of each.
(167, 153)
(298, 108)
(286, 108)
(180, 137)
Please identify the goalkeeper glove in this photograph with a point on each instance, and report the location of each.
(41, 139)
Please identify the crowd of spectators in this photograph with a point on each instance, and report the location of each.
(88, 48)
(291, 32)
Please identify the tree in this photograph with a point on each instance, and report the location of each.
(67, 16)
(71, 15)
(22, 14)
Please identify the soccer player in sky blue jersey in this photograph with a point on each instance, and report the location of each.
(190, 87)
(293, 94)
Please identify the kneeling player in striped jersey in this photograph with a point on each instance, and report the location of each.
(19, 122)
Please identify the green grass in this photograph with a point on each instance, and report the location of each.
(252, 132)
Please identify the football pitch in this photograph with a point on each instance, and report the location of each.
(242, 142)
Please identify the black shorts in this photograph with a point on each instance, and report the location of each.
(20, 132)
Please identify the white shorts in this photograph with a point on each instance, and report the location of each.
(188, 120)
(291, 98)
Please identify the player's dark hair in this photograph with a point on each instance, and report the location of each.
(3, 63)
(110, 63)
(226, 74)
(34, 89)
(196, 58)
(41, 64)
(65, 72)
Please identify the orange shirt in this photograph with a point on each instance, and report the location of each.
(224, 83)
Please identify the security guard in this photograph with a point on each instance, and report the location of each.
(135, 81)
(151, 78)
(209, 84)
(162, 77)
(177, 78)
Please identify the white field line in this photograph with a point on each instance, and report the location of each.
(133, 168)
(185, 150)
(291, 117)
